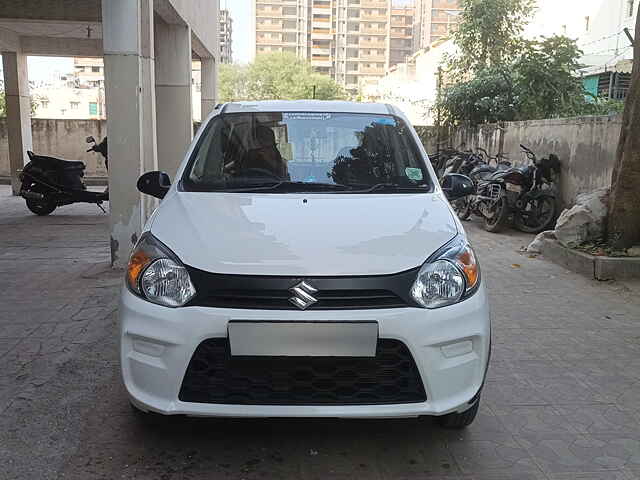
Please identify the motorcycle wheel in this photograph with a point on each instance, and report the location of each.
(500, 211)
(537, 215)
(462, 207)
(41, 207)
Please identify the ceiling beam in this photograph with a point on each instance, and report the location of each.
(61, 47)
(9, 41)
(62, 10)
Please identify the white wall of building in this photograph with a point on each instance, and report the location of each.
(413, 89)
(596, 24)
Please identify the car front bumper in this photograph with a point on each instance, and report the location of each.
(450, 347)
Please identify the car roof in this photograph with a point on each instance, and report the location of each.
(331, 106)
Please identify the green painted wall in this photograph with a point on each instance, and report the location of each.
(591, 85)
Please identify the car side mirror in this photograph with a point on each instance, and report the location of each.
(90, 139)
(456, 186)
(154, 183)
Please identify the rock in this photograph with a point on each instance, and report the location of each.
(536, 245)
(634, 251)
(585, 220)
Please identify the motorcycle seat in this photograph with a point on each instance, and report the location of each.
(52, 163)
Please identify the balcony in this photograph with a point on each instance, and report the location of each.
(320, 51)
(321, 34)
(372, 31)
(372, 58)
(321, 62)
(372, 17)
(371, 70)
(367, 44)
(271, 27)
(269, 12)
(373, 4)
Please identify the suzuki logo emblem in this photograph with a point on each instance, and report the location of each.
(302, 295)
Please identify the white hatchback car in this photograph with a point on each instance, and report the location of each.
(305, 262)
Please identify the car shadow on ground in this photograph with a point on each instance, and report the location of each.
(191, 447)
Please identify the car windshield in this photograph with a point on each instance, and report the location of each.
(306, 151)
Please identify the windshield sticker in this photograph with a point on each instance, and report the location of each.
(306, 116)
(385, 121)
(413, 173)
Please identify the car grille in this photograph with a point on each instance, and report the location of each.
(214, 376)
(274, 292)
(279, 299)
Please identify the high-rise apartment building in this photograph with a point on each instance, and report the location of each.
(353, 41)
(401, 44)
(434, 20)
(226, 28)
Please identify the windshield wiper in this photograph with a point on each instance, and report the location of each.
(289, 186)
(392, 187)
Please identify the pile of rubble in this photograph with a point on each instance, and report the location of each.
(581, 224)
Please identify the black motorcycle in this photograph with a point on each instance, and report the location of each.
(516, 191)
(478, 168)
(48, 182)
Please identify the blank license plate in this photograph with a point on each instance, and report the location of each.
(303, 339)
(514, 188)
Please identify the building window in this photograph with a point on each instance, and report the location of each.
(586, 23)
(93, 108)
(74, 105)
(95, 69)
(44, 103)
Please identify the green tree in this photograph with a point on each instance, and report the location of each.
(546, 83)
(3, 104)
(232, 81)
(283, 76)
(487, 97)
(490, 33)
(539, 82)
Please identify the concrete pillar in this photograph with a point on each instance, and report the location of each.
(174, 117)
(148, 101)
(18, 105)
(128, 90)
(208, 76)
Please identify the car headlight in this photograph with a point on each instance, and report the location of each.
(447, 277)
(157, 275)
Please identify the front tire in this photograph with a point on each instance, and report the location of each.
(462, 207)
(500, 211)
(457, 420)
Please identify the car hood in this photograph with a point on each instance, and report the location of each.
(303, 234)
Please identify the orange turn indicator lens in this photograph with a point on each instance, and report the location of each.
(137, 263)
(467, 261)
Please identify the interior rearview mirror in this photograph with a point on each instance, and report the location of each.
(456, 186)
(154, 183)
(90, 139)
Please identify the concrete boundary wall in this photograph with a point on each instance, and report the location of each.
(586, 147)
(60, 138)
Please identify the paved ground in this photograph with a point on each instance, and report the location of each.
(562, 399)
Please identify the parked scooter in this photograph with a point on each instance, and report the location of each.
(517, 191)
(48, 182)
